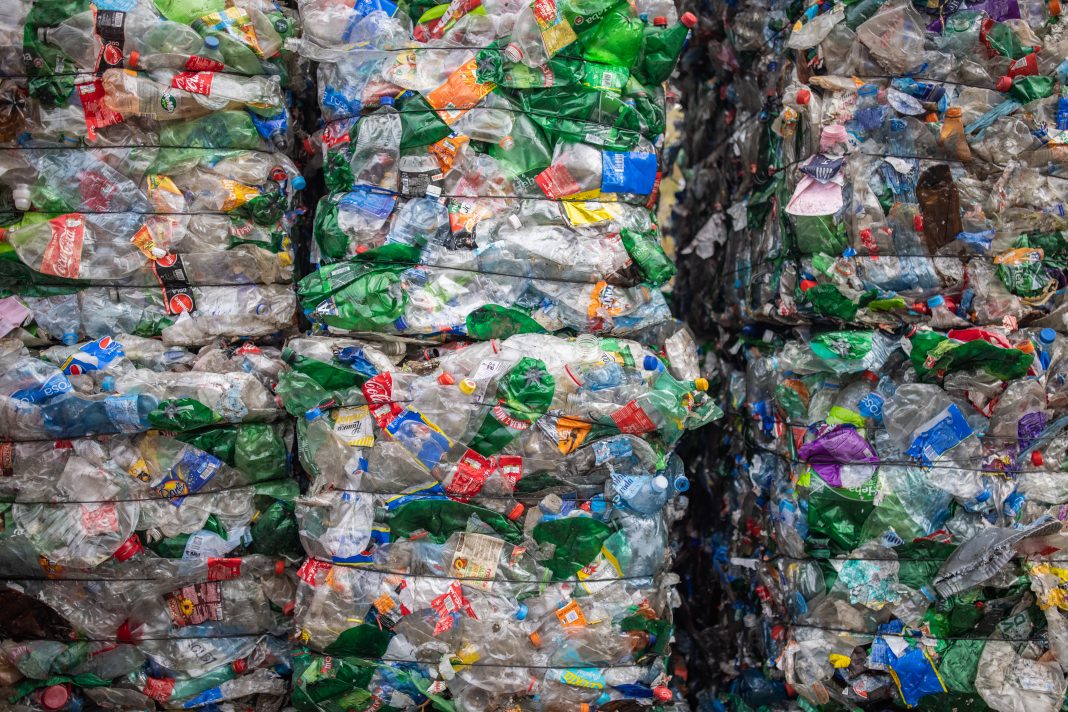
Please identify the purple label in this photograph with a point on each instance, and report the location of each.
(1030, 427)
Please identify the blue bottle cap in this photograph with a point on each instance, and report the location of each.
(521, 614)
(69, 338)
(299, 183)
(681, 483)
(868, 90)
(313, 414)
(387, 101)
(936, 301)
(651, 363)
(982, 496)
(1047, 336)
(849, 252)
(400, 324)
(211, 42)
(108, 384)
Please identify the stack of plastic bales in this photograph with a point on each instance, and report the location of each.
(148, 541)
(487, 521)
(900, 425)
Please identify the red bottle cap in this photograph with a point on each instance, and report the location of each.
(689, 19)
(55, 697)
(446, 379)
(135, 57)
(662, 693)
(1036, 458)
(279, 567)
(803, 96)
(129, 549)
(239, 666)
(660, 21)
(1004, 84)
(517, 512)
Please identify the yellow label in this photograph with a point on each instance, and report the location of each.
(237, 194)
(139, 471)
(588, 213)
(144, 241)
(570, 433)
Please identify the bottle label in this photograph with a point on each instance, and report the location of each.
(353, 426)
(235, 22)
(110, 26)
(55, 385)
(939, 434)
(192, 471)
(571, 616)
(631, 419)
(420, 437)
(459, 93)
(556, 31)
(99, 519)
(159, 688)
(449, 603)
(194, 82)
(567, 433)
(178, 296)
(469, 476)
(510, 468)
(224, 569)
(379, 394)
(311, 568)
(97, 114)
(94, 356)
(195, 604)
(628, 172)
(204, 544)
(476, 557)
(196, 63)
(63, 255)
(557, 182)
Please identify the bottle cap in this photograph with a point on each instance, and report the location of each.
(1036, 458)
(21, 194)
(446, 379)
(936, 301)
(279, 567)
(659, 483)
(870, 376)
(521, 614)
(803, 97)
(660, 21)
(515, 222)
(386, 101)
(644, 17)
(467, 386)
(55, 697)
(953, 112)
(1004, 84)
(535, 639)
(211, 42)
(689, 19)
(108, 384)
(239, 666)
(129, 549)
(662, 693)
(516, 513)
(313, 414)
(651, 363)
(682, 483)
(1047, 336)
(135, 57)
(400, 324)
(299, 183)
(868, 90)
(701, 384)
(513, 53)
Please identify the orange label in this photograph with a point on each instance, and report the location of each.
(460, 92)
(570, 433)
(571, 616)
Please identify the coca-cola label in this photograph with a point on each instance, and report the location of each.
(631, 419)
(194, 82)
(203, 64)
(511, 469)
(177, 294)
(309, 571)
(110, 26)
(100, 519)
(378, 392)
(63, 255)
(224, 569)
(469, 476)
(557, 182)
(97, 113)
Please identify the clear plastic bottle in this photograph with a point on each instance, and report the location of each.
(376, 155)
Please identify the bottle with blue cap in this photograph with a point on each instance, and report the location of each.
(941, 317)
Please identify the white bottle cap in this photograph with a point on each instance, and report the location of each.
(660, 483)
(514, 221)
(513, 53)
(21, 194)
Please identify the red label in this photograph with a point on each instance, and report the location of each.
(97, 113)
(224, 569)
(378, 392)
(63, 255)
(159, 688)
(452, 601)
(178, 303)
(469, 476)
(193, 82)
(544, 11)
(631, 419)
(194, 604)
(7, 459)
(336, 133)
(504, 419)
(511, 468)
(102, 519)
(309, 571)
(556, 182)
(203, 64)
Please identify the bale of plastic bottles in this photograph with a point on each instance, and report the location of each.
(885, 212)
(148, 532)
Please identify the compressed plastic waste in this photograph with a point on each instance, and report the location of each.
(142, 151)
(489, 524)
(490, 166)
(879, 191)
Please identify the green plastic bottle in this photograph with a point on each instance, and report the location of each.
(185, 11)
(617, 39)
(524, 394)
(662, 47)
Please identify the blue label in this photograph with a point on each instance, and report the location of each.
(271, 127)
(940, 434)
(189, 474)
(374, 204)
(629, 172)
(54, 386)
(366, 7)
(123, 414)
(433, 491)
(94, 356)
(871, 406)
(204, 698)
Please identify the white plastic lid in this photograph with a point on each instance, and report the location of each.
(660, 483)
(513, 53)
(514, 221)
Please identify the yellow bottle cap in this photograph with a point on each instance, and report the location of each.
(701, 384)
(467, 386)
(839, 661)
